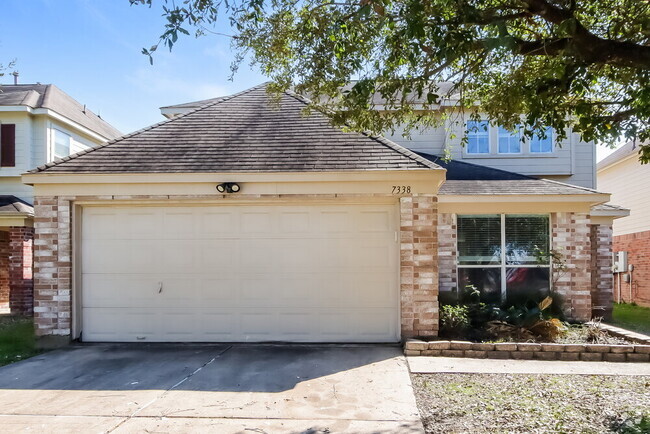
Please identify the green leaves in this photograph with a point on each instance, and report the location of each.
(583, 65)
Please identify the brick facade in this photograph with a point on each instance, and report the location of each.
(419, 266)
(638, 247)
(4, 271)
(53, 264)
(602, 279)
(447, 252)
(571, 237)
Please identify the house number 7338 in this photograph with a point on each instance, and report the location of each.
(401, 189)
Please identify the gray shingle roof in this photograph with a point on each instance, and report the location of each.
(13, 205)
(511, 187)
(50, 97)
(243, 133)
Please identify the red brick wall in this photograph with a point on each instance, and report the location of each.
(4, 270)
(638, 247)
(21, 283)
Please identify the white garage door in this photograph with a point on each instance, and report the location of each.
(318, 273)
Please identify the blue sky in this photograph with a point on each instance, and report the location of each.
(92, 50)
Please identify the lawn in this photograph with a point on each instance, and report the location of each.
(17, 341)
(632, 317)
(486, 403)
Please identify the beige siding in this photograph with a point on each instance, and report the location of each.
(629, 182)
(573, 160)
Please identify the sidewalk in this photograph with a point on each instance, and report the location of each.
(437, 365)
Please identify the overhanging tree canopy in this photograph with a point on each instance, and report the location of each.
(583, 64)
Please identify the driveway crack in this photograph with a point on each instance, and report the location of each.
(187, 377)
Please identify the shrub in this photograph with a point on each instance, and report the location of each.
(454, 320)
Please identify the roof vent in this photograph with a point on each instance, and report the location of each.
(15, 74)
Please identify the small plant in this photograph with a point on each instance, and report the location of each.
(595, 333)
(527, 323)
(454, 320)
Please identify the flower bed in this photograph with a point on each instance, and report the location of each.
(529, 351)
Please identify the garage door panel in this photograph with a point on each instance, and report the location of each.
(144, 224)
(178, 256)
(179, 225)
(295, 222)
(217, 224)
(304, 273)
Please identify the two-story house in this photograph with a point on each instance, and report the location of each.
(623, 175)
(39, 123)
(240, 219)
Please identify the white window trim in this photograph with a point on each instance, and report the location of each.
(488, 132)
(503, 266)
(53, 155)
(518, 135)
(553, 145)
(493, 146)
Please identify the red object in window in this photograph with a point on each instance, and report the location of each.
(518, 275)
(7, 145)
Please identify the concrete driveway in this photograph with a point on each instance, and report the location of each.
(210, 388)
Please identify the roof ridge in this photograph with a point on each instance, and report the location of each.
(380, 139)
(141, 130)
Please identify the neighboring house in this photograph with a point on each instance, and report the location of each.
(628, 181)
(38, 123)
(246, 221)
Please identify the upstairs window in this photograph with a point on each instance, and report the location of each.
(8, 145)
(478, 137)
(542, 145)
(61, 144)
(509, 141)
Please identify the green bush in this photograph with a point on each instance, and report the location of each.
(454, 320)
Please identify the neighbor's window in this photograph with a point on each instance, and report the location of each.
(509, 141)
(61, 144)
(504, 256)
(478, 137)
(542, 145)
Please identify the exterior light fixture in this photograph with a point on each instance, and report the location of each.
(228, 187)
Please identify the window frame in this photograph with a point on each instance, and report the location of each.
(512, 134)
(504, 265)
(486, 132)
(550, 135)
(53, 146)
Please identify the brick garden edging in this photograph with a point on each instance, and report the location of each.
(529, 351)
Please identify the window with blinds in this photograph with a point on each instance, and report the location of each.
(479, 239)
(526, 238)
(505, 257)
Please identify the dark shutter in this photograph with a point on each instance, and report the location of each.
(8, 145)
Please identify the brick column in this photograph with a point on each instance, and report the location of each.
(21, 284)
(4, 271)
(419, 266)
(572, 238)
(602, 277)
(52, 266)
(447, 252)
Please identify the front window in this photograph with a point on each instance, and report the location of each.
(542, 143)
(509, 141)
(504, 256)
(61, 144)
(478, 137)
